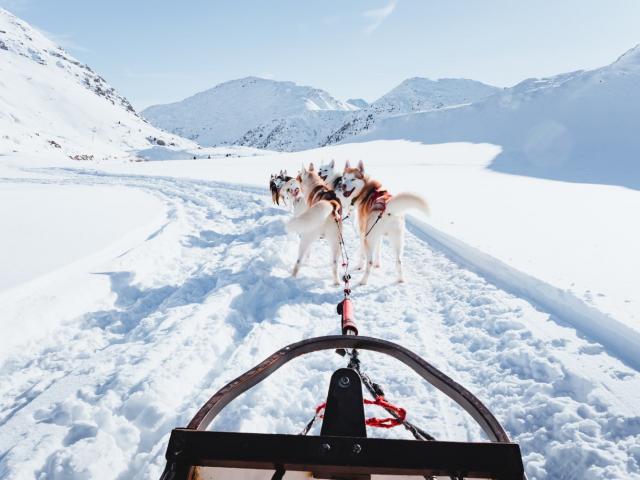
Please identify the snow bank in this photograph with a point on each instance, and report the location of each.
(58, 235)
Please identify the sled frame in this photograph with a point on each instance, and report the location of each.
(193, 446)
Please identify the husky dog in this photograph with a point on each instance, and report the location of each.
(333, 178)
(292, 192)
(330, 174)
(275, 185)
(379, 214)
(319, 220)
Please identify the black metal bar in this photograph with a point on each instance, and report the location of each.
(344, 413)
(463, 397)
(345, 456)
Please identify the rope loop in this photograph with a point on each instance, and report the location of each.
(388, 422)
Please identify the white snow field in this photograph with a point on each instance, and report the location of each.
(54, 235)
(208, 294)
(570, 248)
(51, 227)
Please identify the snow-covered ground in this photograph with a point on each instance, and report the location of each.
(55, 232)
(208, 294)
(51, 227)
(569, 247)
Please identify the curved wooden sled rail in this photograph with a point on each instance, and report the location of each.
(463, 397)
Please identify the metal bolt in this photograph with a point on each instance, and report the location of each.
(356, 448)
(325, 447)
(344, 381)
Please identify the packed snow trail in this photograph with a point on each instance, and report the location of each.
(209, 295)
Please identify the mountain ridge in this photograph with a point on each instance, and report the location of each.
(53, 104)
(281, 115)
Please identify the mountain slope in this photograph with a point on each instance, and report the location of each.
(253, 112)
(412, 95)
(579, 126)
(51, 103)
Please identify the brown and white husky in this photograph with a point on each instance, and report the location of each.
(319, 220)
(379, 214)
(293, 196)
(276, 183)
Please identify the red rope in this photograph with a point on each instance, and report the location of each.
(388, 422)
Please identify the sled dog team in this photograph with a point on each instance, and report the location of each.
(320, 199)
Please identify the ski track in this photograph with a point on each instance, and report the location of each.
(209, 295)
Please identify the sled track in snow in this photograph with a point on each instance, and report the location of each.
(209, 295)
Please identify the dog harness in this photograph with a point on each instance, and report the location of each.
(321, 192)
(378, 201)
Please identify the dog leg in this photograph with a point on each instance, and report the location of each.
(334, 244)
(362, 255)
(378, 247)
(396, 239)
(303, 250)
(369, 243)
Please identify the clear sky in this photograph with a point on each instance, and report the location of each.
(162, 51)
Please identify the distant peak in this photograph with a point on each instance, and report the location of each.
(630, 57)
(358, 102)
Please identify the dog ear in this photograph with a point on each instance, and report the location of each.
(346, 165)
(361, 166)
(311, 167)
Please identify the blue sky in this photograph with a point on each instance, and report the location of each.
(163, 51)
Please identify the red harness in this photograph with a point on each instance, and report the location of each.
(378, 201)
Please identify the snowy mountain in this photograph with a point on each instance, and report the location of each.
(358, 102)
(412, 95)
(579, 126)
(51, 103)
(253, 112)
(416, 94)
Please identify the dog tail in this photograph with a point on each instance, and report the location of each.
(402, 202)
(312, 218)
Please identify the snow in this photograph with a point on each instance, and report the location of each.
(417, 94)
(60, 235)
(579, 126)
(52, 104)
(283, 116)
(131, 291)
(412, 95)
(583, 274)
(358, 102)
(52, 227)
(209, 295)
(253, 112)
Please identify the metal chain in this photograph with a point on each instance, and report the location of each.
(376, 391)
